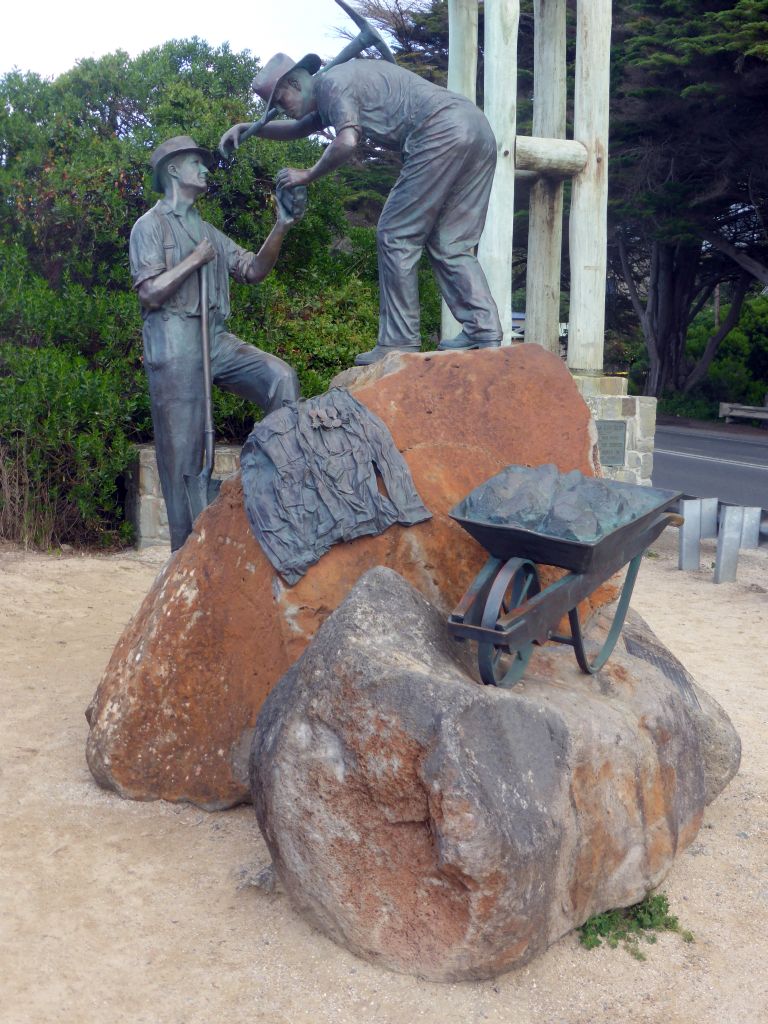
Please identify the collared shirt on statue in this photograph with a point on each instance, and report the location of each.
(383, 100)
(148, 257)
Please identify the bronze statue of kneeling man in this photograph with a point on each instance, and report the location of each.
(439, 201)
(171, 245)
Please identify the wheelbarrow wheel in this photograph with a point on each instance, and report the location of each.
(516, 582)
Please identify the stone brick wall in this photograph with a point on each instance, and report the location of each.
(145, 505)
(607, 399)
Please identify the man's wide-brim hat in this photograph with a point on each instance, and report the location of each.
(171, 147)
(276, 69)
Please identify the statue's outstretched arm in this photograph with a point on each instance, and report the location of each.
(265, 259)
(338, 153)
(280, 131)
(286, 131)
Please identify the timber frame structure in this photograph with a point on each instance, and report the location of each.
(548, 158)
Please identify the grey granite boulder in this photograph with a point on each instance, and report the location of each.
(452, 830)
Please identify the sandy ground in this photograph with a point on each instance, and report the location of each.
(128, 912)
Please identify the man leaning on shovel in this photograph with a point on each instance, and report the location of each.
(175, 258)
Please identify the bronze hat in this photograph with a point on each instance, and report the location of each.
(275, 70)
(178, 144)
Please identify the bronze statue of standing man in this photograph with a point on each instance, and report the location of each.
(439, 201)
(171, 245)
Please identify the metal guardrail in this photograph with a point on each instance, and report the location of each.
(735, 527)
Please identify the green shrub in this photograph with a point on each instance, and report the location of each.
(695, 406)
(318, 323)
(102, 323)
(64, 441)
(624, 352)
(739, 371)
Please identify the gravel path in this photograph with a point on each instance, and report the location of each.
(128, 912)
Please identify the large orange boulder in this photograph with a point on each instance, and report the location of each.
(173, 716)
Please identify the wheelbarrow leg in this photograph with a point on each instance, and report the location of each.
(577, 637)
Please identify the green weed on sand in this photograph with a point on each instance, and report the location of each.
(630, 926)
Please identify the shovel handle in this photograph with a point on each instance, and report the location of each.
(256, 127)
(206, 354)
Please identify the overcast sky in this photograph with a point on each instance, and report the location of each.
(50, 36)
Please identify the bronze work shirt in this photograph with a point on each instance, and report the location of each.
(383, 101)
(309, 474)
(147, 254)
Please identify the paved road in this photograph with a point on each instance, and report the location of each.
(711, 464)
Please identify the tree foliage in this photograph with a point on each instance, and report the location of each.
(689, 182)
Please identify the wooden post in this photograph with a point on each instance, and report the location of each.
(589, 202)
(501, 24)
(462, 78)
(545, 223)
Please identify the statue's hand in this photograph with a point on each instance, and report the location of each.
(291, 204)
(230, 140)
(290, 177)
(204, 252)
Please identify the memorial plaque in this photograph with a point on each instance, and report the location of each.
(612, 441)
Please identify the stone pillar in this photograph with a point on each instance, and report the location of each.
(145, 507)
(608, 401)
